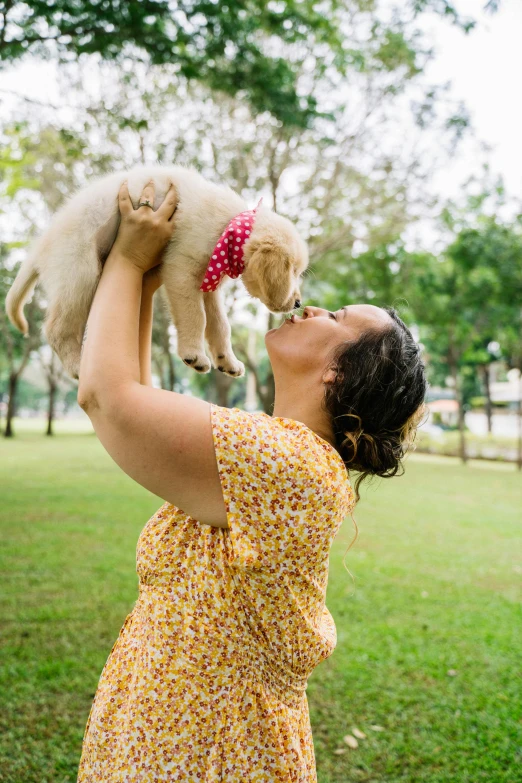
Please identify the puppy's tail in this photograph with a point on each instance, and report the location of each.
(20, 292)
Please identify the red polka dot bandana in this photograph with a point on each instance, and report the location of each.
(227, 256)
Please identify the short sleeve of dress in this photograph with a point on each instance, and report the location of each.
(285, 493)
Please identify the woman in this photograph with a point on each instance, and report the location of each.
(207, 679)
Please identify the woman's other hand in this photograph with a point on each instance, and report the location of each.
(144, 233)
(152, 279)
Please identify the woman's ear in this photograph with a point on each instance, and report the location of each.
(272, 267)
(276, 271)
(329, 376)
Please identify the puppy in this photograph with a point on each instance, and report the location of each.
(213, 225)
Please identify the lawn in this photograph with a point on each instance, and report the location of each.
(437, 568)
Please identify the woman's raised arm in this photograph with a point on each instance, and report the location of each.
(151, 283)
(161, 439)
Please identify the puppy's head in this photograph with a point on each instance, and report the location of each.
(275, 257)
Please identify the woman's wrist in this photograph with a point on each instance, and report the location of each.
(145, 333)
(148, 290)
(152, 280)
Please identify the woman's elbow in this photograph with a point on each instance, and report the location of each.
(86, 400)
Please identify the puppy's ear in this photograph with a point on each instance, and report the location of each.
(272, 265)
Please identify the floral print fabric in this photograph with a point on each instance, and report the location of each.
(207, 679)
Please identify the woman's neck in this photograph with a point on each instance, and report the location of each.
(291, 405)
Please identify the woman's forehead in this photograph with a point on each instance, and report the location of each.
(366, 311)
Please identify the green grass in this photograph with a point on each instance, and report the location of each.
(437, 568)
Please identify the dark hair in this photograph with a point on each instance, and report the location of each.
(377, 399)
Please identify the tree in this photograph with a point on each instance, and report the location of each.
(468, 296)
(480, 356)
(43, 163)
(162, 358)
(55, 376)
(512, 348)
(498, 248)
(249, 49)
(13, 346)
(224, 46)
(510, 306)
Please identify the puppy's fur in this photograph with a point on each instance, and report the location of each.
(68, 260)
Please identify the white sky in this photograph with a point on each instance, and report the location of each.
(485, 68)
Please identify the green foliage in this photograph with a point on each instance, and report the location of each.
(490, 258)
(14, 347)
(42, 160)
(396, 52)
(219, 44)
(252, 49)
(459, 123)
(461, 301)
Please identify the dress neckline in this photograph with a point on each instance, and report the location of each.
(309, 429)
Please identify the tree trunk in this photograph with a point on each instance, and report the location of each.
(519, 415)
(487, 391)
(171, 370)
(263, 391)
(170, 380)
(461, 418)
(11, 402)
(162, 355)
(223, 383)
(50, 411)
(266, 390)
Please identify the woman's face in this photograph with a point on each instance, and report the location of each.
(302, 344)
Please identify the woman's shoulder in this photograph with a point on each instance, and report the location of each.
(289, 442)
(259, 427)
(290, 433)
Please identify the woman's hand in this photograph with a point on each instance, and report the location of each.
(144, 233)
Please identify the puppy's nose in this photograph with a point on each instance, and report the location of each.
(297, 304)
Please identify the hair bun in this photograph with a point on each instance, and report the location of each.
(372, 453)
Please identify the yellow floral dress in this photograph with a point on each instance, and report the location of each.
(207, 679)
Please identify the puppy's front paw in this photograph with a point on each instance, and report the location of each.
(195, 359)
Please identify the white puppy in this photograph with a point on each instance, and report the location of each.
(68, 260)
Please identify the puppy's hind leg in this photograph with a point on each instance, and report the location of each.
(69, 306)
(217, 334)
